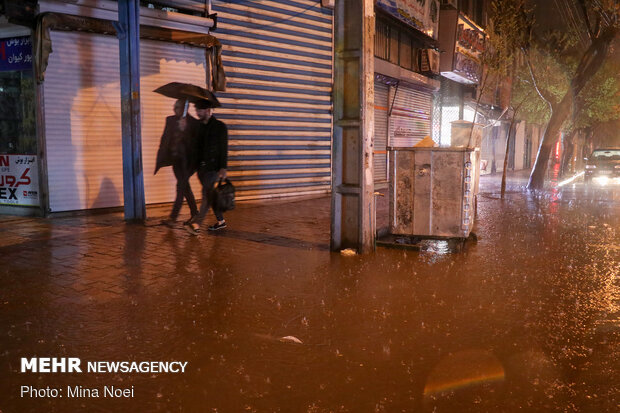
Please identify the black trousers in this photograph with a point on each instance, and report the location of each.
(208, 179)
(184, 190)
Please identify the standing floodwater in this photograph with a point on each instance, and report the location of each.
(525, 320)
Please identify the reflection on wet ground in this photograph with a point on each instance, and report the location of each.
(526, 319)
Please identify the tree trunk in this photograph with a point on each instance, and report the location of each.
(587, 142)
(473, 123)
(580, 151)
(494, 141)
(568, 153)
(558, 116)
(512, 122)
(589, 65)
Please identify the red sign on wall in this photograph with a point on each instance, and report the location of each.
(19, 180)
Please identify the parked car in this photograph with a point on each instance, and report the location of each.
(603, 166)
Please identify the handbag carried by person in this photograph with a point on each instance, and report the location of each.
(225, 195)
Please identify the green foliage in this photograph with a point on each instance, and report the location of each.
(552, 78)
(600, 102)
(509, 28)
(556, 42)
(554, 56)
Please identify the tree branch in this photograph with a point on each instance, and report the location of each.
(540, 92)
(592, 59)
(586, 19)
(516, 109)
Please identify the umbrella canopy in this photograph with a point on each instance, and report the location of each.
(192, 93)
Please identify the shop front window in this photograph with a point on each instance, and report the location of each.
(17, 97)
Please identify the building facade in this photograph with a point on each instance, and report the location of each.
(406, 69)
(63, 132)
(60, 127)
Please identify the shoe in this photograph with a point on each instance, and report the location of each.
(192, 228)
(217, 225)
(170, 223)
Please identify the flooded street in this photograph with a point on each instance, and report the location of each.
(526, 319)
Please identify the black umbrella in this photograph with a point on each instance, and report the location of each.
(189, 92)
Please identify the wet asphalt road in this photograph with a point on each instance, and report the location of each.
(525, 320)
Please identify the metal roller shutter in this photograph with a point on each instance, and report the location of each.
(381, 131)
(160, 63)
(83, 121)
(410, 121)
(278, 61)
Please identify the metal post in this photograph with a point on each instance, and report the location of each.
(353, 211)
(128, 29)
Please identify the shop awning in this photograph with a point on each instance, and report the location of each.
(215, 75)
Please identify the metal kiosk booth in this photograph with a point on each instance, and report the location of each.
(432, 195)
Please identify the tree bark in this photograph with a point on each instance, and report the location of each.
(473, 123)
(512, 122)
(494, 141)
(559, 115)
(589, 65)
(567, 155)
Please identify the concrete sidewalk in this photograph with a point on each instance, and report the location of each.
(528, 317)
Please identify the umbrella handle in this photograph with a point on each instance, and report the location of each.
(186, 108)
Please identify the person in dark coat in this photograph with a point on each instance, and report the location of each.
(212, 143)
(177, 149)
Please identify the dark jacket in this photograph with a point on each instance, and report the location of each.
(178, 146)
(213, 144)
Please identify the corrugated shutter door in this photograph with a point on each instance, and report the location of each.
(381, 131)
(278, 61)
(411, 117)
(83, 123)
(83, 120)
(160, 63)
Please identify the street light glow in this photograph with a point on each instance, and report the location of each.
(606, 180)
(601, 180)
(571, 179)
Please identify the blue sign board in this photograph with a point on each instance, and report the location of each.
(15, 54)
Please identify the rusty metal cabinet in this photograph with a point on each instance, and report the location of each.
(433, 191)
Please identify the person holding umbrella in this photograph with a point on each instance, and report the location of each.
(212, 143)
(177, 149)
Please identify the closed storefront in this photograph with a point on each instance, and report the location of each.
(83, 118)
(277, 56)
(277, 105)
(410, 120)
(405, 65)
(68, 105)
(381, 131)
(402, 119)
(19, 160)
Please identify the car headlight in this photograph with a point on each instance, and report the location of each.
(590, 166)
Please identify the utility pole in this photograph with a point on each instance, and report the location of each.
(128, 29)
(353, 206)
